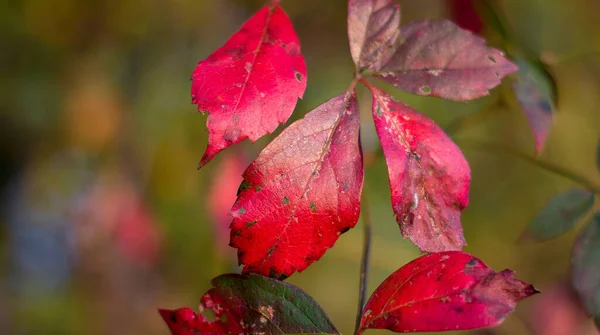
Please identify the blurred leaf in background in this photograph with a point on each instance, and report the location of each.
(99, 144)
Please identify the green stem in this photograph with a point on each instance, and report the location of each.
(548, 166)
(364, 262)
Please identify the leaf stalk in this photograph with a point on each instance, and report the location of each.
(364, 262)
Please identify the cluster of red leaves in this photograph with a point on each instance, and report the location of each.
(303, 190)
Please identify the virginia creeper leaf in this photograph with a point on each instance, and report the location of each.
(429, 176)
(372, 31)
(585, 262)
(251, 304)
(559, 215)
(443, 291)
(534, 90)
(252, 83)
(301, 193)
(437, 58)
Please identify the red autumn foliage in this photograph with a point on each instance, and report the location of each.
(251, 84)
(429, 176)
(439, 59)
(372, 31)
(301, 192)
(443, 291)
(251, 304)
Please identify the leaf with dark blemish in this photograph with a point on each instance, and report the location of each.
(251, 304)
(436, 292)
(244, 84)
(316, 162)
(428, 174)
(437, 58)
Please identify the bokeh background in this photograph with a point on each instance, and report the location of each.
(104, 217)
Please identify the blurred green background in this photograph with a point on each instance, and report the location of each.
(105, 218)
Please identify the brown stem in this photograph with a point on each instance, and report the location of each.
(364, 262)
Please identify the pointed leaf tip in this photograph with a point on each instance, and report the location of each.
(251, 304)
(303, 191)
(559, 215)
(535, 91)
(252, 83)
(439, 59)
(444, 291)
(428, 174)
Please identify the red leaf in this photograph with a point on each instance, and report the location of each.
(465, 15)
(222, 195)
(372, 31)
(252, 83)
(439, 59)
(429, 176)
(301, 192)
(444, 291)
(251, 304)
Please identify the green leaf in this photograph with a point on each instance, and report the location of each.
(559, 215)
(585, 267)
(252, 304)
(535, 89)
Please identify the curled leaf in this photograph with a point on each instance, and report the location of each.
(444, 291)
(559, 215)
(535, 90)
(429, 176)
(372, 31)
(250, 304)
(585, 262)
(301, 192)
(252, 83)
(437, 58)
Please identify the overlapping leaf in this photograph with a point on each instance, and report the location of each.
(437, 58)
(429, 177)
(301, 193)
(585, 262)
(372, 31)
(443, 291)
(559, 215)
(535, 91)
(252, 83)
(251, 304)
